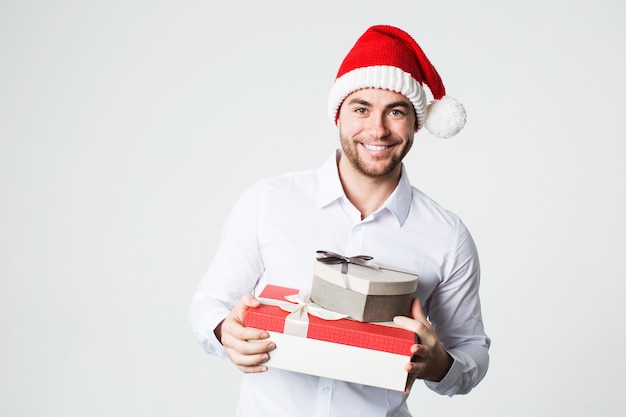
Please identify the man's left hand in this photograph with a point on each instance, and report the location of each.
(430, 361)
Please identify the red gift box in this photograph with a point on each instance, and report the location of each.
(366, 353)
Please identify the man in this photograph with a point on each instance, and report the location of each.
(359, 202)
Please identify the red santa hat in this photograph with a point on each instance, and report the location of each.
(389, 58)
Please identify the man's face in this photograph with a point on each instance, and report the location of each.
(376, 129)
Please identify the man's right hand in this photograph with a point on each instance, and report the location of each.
(242, 343)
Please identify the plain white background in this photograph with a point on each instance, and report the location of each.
(128, 129)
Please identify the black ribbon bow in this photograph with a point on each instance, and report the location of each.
(334, 258)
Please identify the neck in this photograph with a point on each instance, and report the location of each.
(367, 193)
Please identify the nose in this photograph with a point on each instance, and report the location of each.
(377, 127)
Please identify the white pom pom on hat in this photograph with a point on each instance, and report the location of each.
(445, 117)
(389, 58)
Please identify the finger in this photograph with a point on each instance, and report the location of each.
(233, 328)
(253, 369)
(419, 354)
(243, 339)
(249, 354)
(410, 380)
(414, 369)
(248, 342)
(247, 360)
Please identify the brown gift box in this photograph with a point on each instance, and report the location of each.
(374, 293)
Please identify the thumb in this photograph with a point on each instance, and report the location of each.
(248, 300)
(417, 317)
(245, 302)
(416, 310)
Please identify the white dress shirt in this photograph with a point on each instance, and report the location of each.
(271, 237)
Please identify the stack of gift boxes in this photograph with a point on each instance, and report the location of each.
(341, 329)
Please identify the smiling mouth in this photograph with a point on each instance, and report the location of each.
(376, 147)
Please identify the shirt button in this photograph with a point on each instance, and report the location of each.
(326, 390)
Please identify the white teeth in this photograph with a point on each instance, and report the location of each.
(375, 148)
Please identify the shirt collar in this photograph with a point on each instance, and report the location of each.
(330, 184)
(399, 201)
(331, 189)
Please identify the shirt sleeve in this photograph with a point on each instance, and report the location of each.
(455, 312)
(234, 270)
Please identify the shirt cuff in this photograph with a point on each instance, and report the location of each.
(203, 325)
(447, 386)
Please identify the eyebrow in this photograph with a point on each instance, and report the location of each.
(388, 106)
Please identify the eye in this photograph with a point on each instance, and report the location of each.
(397, 113)
(360, 110)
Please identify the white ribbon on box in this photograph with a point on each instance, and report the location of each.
(299, 307)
